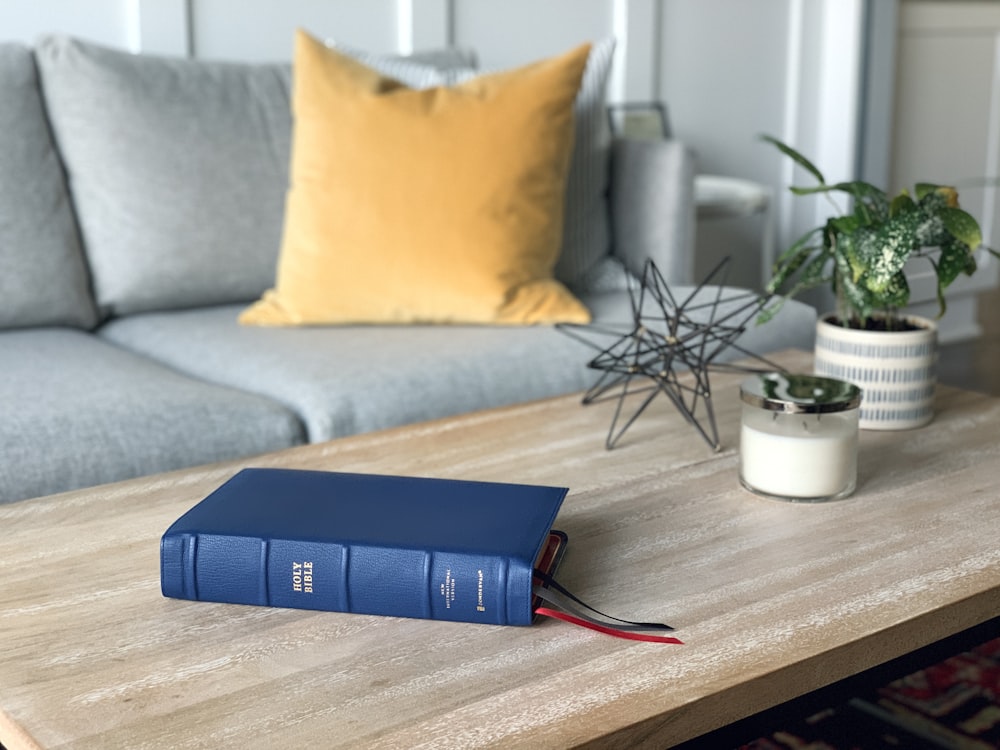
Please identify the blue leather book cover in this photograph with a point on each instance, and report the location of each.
(371, 544)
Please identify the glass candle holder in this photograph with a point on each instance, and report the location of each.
(799, 437)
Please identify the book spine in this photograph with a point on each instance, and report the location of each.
(343, 578)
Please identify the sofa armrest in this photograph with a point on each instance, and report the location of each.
(653, 208)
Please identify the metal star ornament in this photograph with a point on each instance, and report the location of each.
(667, 337)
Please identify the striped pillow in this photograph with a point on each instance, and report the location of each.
(420, 70)
(587, 226)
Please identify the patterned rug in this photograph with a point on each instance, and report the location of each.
(954, 703)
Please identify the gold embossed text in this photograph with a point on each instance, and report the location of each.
(302, 577)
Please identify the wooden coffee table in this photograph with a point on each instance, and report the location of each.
(772, 599)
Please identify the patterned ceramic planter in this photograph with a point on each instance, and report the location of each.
(896, 371)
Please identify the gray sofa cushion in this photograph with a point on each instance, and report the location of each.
(178, 170)
(43, 277)
(348, 379)
(89, 412)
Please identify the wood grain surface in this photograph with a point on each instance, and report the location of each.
(772, 599)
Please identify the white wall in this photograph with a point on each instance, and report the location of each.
(104, 21)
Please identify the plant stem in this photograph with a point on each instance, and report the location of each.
(892, 322)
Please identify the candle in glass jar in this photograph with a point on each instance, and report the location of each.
(799, 436)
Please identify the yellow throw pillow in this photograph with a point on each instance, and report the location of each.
(436, 205)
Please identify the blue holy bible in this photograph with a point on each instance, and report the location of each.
(383, 545)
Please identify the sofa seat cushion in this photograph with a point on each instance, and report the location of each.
(343, 380)
(43, 276)
(79, 411)
(349, 379)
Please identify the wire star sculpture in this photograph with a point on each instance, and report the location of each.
(667, 337)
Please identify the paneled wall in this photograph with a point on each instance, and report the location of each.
(947, 127)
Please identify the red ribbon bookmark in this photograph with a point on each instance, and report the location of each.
(575, 611)
(606, 629)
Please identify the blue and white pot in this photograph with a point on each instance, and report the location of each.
(896, 370)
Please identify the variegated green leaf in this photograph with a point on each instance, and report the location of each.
(901, 203)
(955, 259)
(800, 243)
(847, 248)
(858, 299)
(795, 156)
(872, 198)
(865, 191)
(962, 227)
(787, 269)
(930, 231)
(815, 272)
(846, 224)
(811, 276)
(896, 293)
(867, 244)
(797, 190)
(887, 250)
(863, 251)
(923, 189)
(942, 303)
(769, 311)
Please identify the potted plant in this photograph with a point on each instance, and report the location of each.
(861, 253)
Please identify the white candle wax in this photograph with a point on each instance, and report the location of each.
(807, 456)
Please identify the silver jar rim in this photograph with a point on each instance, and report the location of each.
(799, 394)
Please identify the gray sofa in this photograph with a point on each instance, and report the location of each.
(141, 204)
